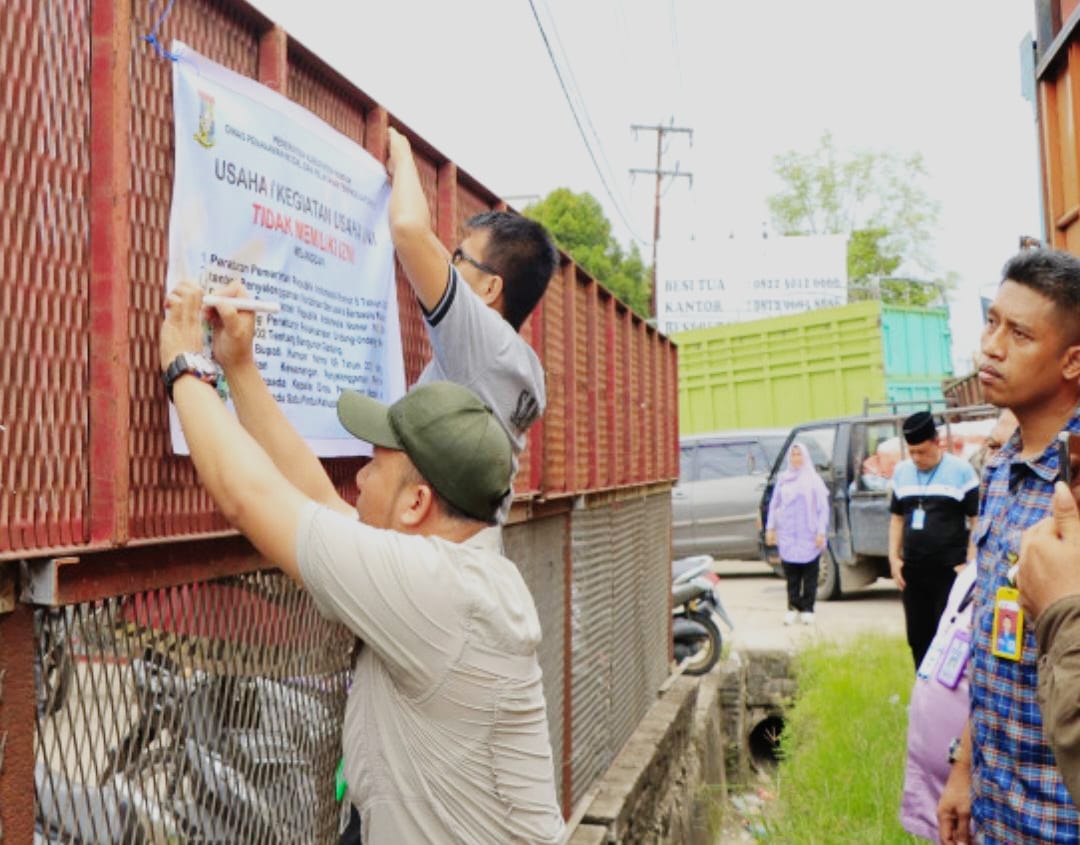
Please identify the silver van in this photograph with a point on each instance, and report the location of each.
(721, 478)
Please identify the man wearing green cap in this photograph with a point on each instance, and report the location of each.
(445, 734)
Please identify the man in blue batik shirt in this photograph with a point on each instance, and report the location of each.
(1004, 785)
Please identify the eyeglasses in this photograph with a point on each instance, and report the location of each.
(460, 255)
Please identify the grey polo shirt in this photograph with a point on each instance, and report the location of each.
(475, 347)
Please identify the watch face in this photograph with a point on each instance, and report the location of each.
(200, 363)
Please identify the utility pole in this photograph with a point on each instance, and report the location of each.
(660, 173)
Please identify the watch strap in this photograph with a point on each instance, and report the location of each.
(183, 365)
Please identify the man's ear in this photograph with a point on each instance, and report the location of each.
(1071, 363)
(415, 504)
(492, 291)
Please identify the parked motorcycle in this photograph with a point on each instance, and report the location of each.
(697, 612)
(210, 759)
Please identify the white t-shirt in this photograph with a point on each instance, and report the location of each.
(445, 735)
(474, 346)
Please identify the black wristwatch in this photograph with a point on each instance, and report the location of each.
(190, 363)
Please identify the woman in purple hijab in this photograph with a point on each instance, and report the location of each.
(797, 522)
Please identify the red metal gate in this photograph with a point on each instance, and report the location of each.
(93, 505)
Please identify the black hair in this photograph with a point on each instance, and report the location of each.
(1054, 274)
(523, 253)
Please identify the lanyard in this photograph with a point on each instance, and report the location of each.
(926, 484)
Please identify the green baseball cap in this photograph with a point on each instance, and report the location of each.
(449, 434)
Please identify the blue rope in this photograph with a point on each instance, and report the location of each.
(151, 37)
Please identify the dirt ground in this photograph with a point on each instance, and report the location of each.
(755, 600)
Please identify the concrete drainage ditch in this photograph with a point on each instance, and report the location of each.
(756, 687)
(701, 737)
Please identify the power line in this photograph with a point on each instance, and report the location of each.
(577, 92)
(577, 122)
(574, 83)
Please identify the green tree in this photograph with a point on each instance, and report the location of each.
(879, 200)
(578, 224)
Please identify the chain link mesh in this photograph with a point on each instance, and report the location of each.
(208, 713)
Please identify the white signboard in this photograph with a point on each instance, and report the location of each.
(266, 192)
(729, 281)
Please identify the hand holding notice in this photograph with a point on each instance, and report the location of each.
(398, 148)
(182, 330)
(234, 330)
(1050, 555)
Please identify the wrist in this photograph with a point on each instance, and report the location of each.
(236, 368)
(958, 754)
(189, 364)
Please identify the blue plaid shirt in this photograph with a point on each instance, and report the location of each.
(1017, 794)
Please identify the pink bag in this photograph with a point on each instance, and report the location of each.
(938, 711)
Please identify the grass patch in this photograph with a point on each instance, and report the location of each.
(841, 773)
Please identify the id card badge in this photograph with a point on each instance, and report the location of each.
(1007, 633)
(918, 519)
(956, 656)
(930, 660)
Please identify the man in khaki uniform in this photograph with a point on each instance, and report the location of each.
(445, 734)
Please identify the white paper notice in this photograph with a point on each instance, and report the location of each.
(266, 192)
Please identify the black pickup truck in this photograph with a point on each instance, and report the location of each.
(855, 457)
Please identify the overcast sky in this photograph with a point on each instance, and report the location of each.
(752, 80)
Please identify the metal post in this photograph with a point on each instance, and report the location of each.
(660, 173)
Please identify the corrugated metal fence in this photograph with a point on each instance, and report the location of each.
(114, 638)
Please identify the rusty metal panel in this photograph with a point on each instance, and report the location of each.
(209, 712)
(530, 469)
(537, 547)
(591, 645)
(1065, 10)
(16, 714)
(633, 403)
(327, 99)
(415, 348)
(44, 272)
(468, 205)
(555, 434)
(594, 421)
(669, 398)
(673, 398)
(623, 416)
(640, 641)
(655, 592)
(1059, 91)
(637, 401)
(652, 399)
(166, 499)
(583, 423)
(621, 580)
(44, 256)
(629, 700)
(1066, 161)
(605, 420)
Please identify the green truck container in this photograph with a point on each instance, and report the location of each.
(825, 363)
